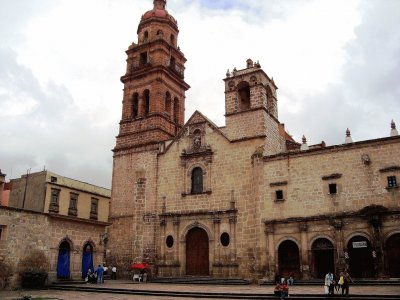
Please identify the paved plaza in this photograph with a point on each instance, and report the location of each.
(239, 289)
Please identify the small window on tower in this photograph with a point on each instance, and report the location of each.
(172, 39)
(143, 58)
(168, 103)
(392, 182)
(135, 105)
(332, 188)
(244, 95)
(145, 36)
(146, 96)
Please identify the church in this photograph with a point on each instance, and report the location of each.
(244, 200)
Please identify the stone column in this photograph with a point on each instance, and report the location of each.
(340, 248)
(217, 233)
(176, 223)
(232, 230)
(305, 266)
(163, 225)
(141, 106)
(377, 246)
(271, 261)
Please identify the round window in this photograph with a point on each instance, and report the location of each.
(170, 241)
(225, 239)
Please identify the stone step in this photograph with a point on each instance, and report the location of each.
(200, 280)
(360, 281)
(215, 295)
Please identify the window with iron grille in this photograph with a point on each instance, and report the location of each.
(197, 181)
(392, 182)
(73, 204)
(54, 205)
(93, 208)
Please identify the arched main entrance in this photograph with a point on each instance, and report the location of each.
(323, 257)
(393, 255)
(87, 259)
(197, 252)
(289, 259)
(63, 260)
(360, 257)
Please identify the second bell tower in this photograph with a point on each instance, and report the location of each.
(154, 85)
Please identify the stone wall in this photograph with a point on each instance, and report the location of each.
(23, 230)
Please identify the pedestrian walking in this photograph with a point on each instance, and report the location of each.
(100, 272)
(114, 273)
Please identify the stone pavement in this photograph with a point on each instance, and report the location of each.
(248, 289)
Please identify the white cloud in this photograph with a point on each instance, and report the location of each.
(336, 64)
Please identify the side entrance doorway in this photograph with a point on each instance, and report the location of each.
(322, 257)
(289, 259)
(393, 255)
(360, 257)
(197, 252)
(63, 261)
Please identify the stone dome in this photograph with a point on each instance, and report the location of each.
(158, 13)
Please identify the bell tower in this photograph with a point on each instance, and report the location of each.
(154, 87)
(152, 112)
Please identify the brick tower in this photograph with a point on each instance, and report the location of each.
(152, 112)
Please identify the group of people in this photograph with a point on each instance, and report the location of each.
(140, 277)
(333, 283)
(282, 289)
(282, 286)
(97, 276)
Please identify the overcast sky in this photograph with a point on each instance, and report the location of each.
(336, 63)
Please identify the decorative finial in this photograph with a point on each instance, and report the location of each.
(348, 137)
(227, 73)
(394, 131)
(159, 4)
(304, 146)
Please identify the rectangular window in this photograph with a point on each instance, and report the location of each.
(53, 179)
(1, 233)
(332, 188)
(279, 195)
(93, 208)
(73, 204)
(143, 58)
(55, 194)
(392, 182)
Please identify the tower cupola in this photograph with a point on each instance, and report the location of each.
(154, 86)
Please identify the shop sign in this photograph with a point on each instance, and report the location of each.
(362, 244)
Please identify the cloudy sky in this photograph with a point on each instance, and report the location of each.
(336, 63)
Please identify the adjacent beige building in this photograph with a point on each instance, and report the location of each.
(65, 218)
(244, 200)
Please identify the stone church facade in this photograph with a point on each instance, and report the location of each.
(244, 200)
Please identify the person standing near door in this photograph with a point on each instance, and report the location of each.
(346, 282)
